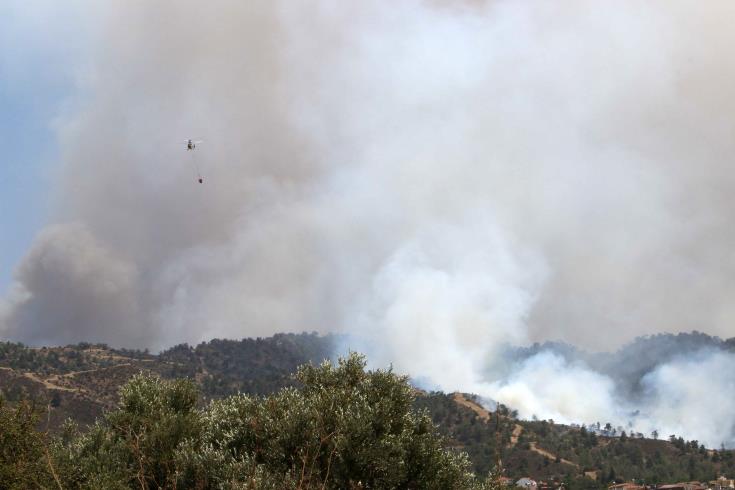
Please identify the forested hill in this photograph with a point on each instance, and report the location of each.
(81, 381)
(584, 459)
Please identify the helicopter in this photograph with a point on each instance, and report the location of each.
(191, 145)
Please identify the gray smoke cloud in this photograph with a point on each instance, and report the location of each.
(435, 178)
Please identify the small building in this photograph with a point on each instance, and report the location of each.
(722, 483)
(626, 486)
(526, 482)
(695, 485)
(692, 485)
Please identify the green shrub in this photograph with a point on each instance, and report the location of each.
(345, 427)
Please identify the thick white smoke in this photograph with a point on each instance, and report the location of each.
(548, 386)
(437, 178)
(685, 396)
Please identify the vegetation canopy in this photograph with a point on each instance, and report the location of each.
(342, 427)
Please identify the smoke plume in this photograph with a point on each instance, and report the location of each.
(664, 383)
(437, 179)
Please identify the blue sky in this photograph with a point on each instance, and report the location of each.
(40, 51)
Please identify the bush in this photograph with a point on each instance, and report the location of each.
(23, 457)
(345, 427)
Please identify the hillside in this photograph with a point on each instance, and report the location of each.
(81, 381)
(549, 451)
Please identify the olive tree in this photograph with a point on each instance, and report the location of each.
(343, 427)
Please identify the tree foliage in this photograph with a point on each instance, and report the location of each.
(23, 450)
(343, 427)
